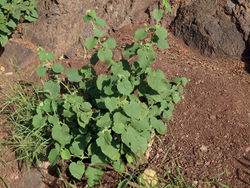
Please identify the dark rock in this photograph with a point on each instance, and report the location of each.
(60, 27)
(207, 28)
(240, 12)
(17, 54)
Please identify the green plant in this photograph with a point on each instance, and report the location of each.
(107, 118)
(19, 108)
(94, 122)
(11, 11)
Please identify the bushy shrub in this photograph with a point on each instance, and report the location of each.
(11, 11)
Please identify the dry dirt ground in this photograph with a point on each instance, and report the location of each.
(209, 133)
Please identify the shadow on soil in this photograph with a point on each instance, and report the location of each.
(243, 174)
(246, 58)
(1, 50)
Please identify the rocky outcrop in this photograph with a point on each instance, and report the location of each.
(60, 26)
(216, 28)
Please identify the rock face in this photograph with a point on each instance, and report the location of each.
(18, 54)
(216, 29)
(60, 26)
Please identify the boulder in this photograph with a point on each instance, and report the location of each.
(60, 27)
(204, 25)
(18, 54)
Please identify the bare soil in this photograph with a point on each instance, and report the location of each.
(209, 133)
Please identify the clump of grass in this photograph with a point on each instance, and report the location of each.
(30, 145)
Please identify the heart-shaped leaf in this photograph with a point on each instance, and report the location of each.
(77, 169)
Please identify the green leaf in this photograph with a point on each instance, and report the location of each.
(77, 148)
(54, 120)
(3, 40)
(168, 115)
(184, 81)
(177, 80)
(61, 134)
(156, 80)
(134, 141)
(111, 103)
(154, 111)
(180, 89)
(140, 34)
(125, 87)
(93, 175)
(157, 14)
(53, 89)
(54, 155)
(118, 69)
(161, 32)
(167, 5)
(100, 79)
(87, 18)
(51, 57)
(90, 43)
(141, 125)
(42, 56)
(86, 106)
(110, 43)
(38, 121)
(119, 166)
(118, 127)
(104, 54)
(41, 71)
(159, 125)
(65, 154)
(136, 110)
(119, 117)
(92, 13)
(130, 50)
(176, 97)
(57, 68)
(4, 29)
(108, 149)
(104, 121)
(77, 169)
(162, 44)
(73, 75)
(100, 22)
(98, 33)
(30, 18)
(12, 24)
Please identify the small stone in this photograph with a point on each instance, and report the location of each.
(8, 73)
(44, 165)
(247, 149)
(207, 163)
(212, 117)
(195, 183)
(17, 54)
(2, 69)
(203, 148)
(149, 178)
(32, 179)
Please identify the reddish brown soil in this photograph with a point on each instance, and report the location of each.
(209, 133)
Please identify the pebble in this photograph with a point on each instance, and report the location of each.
(247, 149)
(212, 117)
(207, 163)
(203, 148)
(8, 73)
(195, 183)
